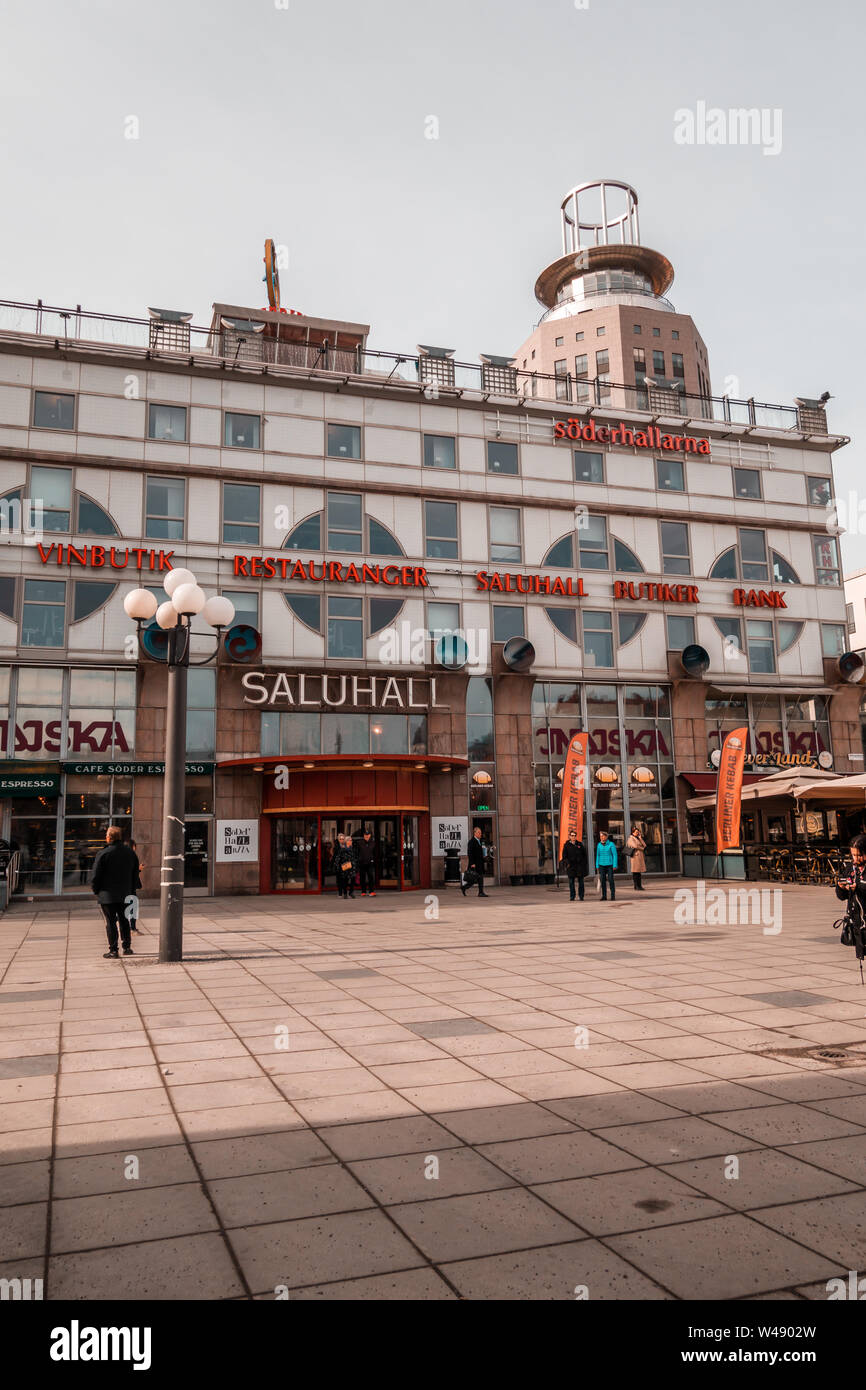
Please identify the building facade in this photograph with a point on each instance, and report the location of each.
(452, 568)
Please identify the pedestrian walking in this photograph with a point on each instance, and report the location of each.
(114, 878)
(366, 867)
(476, 853)
(605, 863)
(575, 864)
(635, 846)
(346, 865)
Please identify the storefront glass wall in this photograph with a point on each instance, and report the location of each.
(631, 771)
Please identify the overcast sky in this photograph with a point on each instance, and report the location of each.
(307, 121)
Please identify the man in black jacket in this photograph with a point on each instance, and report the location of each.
(476, 854)
(114, 878)
(575, 863)
(366, 852)
(345, 854)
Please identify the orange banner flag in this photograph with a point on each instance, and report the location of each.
(573, 801)
(730, 785)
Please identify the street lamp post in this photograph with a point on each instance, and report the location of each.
(185, 601)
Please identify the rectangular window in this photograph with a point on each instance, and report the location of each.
(592, 542)
(442, 618)
(505, 533)
(581, 366)
(747, 483)
(578, 337)
(345, 733)
(344, 441)
(753, 555)
(657, 333)
(560, 371)
(597, 639)
(440, 526)
(639, 362)
(508, 622)
(762, 652)
(42, 613)
(52, 411)
(344, 521)
(242, 431)
(602, 363)
(678, 366)
(636, 328)
(675, 547)
(167, 422)
(819, 491)
(201, 713)
(588, 467)
(658, 362)
(164, 508)
(53, 488)
(833, 639)
(345, 629)
(241, 502)
(501, 458)
(600, 331)
(670, 475)
(849, 617)
(558, 342)
(246, 603)
(675, 335)
(826, 555)
(440, 451)
(681, 632)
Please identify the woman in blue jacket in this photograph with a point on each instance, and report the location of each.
(605, 863)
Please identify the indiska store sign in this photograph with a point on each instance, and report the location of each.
(649, 438)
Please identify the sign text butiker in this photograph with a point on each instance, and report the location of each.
(649, 438)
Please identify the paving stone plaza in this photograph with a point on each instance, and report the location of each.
(518, 1099)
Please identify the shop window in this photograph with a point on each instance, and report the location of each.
(826, 553)
(344, 441)
(307, 608)
(440, 529)
(675, 547)
(479, 719)
(624, 559)
(670, 475)
(101, 714)
(597, 638)
(681, 632)
(508, 622)
(588, 467)
(291, 733)
(388, 733)
(592, 542)
(93, 520)
(747, 483)
(628, 626)
(345, 627)
(307, 535)
(502, 457)
(440, 451)
(344, 521)
(43, 613)
(165, 508)
(242, 431)
(52, 487)
(241, 507)
(833, 639)
(89, 595)
(246, 605)
(167, 423)
(505, 534)
(762, 654)
(198, 795)
(53, 411)
(345, 733)
(200, 713)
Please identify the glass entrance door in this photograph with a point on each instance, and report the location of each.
(388, 852)
(295, 857)
(196, 855)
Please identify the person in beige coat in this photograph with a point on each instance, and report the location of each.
(636, 844)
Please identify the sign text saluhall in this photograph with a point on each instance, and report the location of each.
(375, 692)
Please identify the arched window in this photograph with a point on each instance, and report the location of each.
(624, 559)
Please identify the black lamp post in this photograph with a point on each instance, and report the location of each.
(185, 601)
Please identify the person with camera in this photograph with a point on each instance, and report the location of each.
(852, 889)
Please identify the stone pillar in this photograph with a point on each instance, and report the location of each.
(517, 839)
